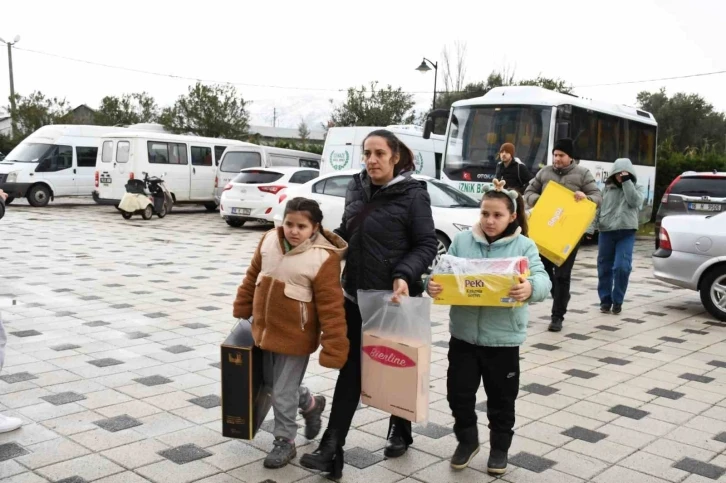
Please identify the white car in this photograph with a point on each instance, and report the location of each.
(253, 193)
(453, 210)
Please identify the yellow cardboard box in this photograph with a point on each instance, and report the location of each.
(558, 222)
(479, 282)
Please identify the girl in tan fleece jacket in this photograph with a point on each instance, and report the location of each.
(292, 290)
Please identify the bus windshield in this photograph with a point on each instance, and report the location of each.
(477, 132)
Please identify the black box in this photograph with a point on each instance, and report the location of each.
(246, 385)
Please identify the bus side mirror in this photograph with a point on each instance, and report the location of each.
(431, 121)
(562, 130)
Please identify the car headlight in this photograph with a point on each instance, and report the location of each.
(462, 227)
(13, 177)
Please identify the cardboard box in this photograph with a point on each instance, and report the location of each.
(246, 384)
(558, 222)
(489, 288)
(396, 376)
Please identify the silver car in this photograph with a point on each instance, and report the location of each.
(692, 255)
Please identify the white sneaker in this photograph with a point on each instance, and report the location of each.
(8, 424)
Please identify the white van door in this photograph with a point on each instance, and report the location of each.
(56, 167)
(170, 160)
(203, 173)
(114, 168)
(85, 170)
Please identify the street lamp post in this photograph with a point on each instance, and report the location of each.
(12, 81)
(423, 68)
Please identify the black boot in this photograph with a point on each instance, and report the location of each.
(398, 439)
(500, 443)
(556, 324)
(466, 450)
(328, 457)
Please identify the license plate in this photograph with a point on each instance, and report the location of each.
(241, 211)
(704, 207)
(105, 180)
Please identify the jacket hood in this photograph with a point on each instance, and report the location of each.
(623, 164)
(326, 240)
(403, 182)
(480, 236)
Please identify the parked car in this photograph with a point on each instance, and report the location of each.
(253, 193)
(692, 255)
(453, 210)
(692, 194)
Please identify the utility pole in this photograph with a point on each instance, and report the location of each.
(12, 81)
(274, 117)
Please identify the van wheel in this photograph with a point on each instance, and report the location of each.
(235, 223)
(147, 213)
(126, 215)
(211, 207)
(9, 200)
(39, 196)
(713, 292)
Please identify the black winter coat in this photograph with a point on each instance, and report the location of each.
(395, 240)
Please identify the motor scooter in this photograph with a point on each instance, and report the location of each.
(146, 197)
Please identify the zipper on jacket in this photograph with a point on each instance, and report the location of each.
(267, 309)
(303, 316)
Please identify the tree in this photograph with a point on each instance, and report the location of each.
(216, 111)
(303, 131)
(454, 75)
(377, 107)
(35, 111)
(128, 109)
(686, 121)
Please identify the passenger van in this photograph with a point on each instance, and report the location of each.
(188, 164)
(343, 150)
(252, 156)
(55, 161)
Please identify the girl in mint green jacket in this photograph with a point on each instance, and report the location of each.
(485, 341)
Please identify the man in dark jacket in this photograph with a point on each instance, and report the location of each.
(511, 170)
(576, 178)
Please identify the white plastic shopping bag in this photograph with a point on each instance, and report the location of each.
(396, 357)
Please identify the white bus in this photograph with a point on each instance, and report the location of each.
(533, 118)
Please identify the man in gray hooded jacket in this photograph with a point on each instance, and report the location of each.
(576, 178)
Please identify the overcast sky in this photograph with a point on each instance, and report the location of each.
(332, 45)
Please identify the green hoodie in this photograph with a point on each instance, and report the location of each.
(620, 204)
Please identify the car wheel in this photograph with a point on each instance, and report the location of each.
(211, 207)
(9, 200)
(2, 210)
(163, 212)
(442, 247)
(235, 223)
(126, 215)
(39, 196)
(148, 212)
(713, 292)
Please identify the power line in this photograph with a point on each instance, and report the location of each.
(318, 89)
(174, 76)
(654, 80)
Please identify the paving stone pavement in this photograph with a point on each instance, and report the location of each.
(112, 362)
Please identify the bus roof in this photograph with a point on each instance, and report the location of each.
(161, 136)
(530, 95)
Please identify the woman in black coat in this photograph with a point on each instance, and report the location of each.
(391, 242)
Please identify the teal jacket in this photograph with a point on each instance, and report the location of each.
(621, 205)
(497, 326)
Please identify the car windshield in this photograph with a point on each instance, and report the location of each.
(235, 161)
(444, 196)
(28, 152)
(257, 177)
(712, 186)
(477, 132)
